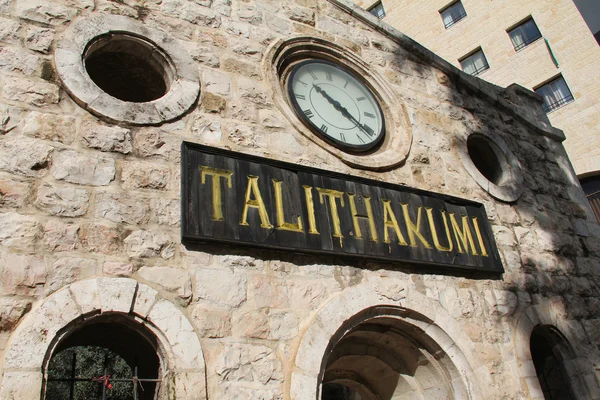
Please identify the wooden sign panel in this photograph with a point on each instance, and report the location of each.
(245, 200)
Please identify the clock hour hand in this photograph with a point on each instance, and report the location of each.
(336, 104)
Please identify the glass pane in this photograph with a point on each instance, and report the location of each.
(531, 31)
(453, 14)
(555, 94)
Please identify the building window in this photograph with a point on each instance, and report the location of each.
(524, 34)
(452, 14)
(555, 93)
(475, 63)
(377, 10)
(591, 188)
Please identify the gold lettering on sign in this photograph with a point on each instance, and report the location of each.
(310, 208)
(332, 194)
(256, 202)
(463, 237)
(479, 237)
(281, 224)
(414, 229)
(390, 221)
(436, 240)
(356, 216)
(216, 174)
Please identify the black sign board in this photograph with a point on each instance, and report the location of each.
(244, 200)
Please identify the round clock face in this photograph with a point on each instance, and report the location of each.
(336, 105)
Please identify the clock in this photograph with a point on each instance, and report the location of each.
(336, 105)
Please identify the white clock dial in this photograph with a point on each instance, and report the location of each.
(336, 105)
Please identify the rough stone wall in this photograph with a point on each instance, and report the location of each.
(81, 198)
(485, 26)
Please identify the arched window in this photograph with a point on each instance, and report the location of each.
(547, 352)
(107, 357)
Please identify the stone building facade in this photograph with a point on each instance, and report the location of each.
(90, 213)
(574, 54)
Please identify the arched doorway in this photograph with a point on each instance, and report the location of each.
(548, 348)
(384, 353)
(109, 356)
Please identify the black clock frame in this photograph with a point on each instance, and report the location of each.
(349, 148)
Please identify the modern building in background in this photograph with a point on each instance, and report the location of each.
(543, 45)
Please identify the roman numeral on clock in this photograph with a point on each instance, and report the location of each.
(309, 113)
(301, 97)
(368, 114)
(312, 74)
(359, 138)
(342, 137)
(361, 98)
(328, 76)
(324, 128)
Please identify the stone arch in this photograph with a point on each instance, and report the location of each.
(329, 323)
(31, 344)
(577, 367)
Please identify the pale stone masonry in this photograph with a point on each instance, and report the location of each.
(486, 25)
(90, 214)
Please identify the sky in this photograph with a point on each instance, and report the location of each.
(590, 10)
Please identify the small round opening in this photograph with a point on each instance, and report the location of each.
(128, 68)
(485, 157)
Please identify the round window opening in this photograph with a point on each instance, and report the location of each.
(128, 68)
(486, 159)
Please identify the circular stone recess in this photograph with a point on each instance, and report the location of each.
(128, 68)
(122, 71)
(493, 166)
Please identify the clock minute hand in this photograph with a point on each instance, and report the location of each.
(336, 104)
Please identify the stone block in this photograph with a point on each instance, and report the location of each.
(11, 311)
(145, 299)
(84, 169)
(19, 231)
(13, 193)
(27, 157)
(166, 211)
(116, 294)
(210, 323)
(141, 175)
(180, 335)
(44, 12)
(22, 274)
(248, 363)
(303, 15)
(13, 59)
(119, 208)
(35, 92)
(152, 142)
(13, 387)
(9, 29)
(235, 65)
(59, 236)
(146, 244)
(117, 268)
(106, 138)
(39, 39)
(266, 291)
(65, 201)
(174, 280)
(251, 324)
(99, 238)
(221, 287)
(190, 385)
(216, 82)
(68, 270)
(57, 128)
